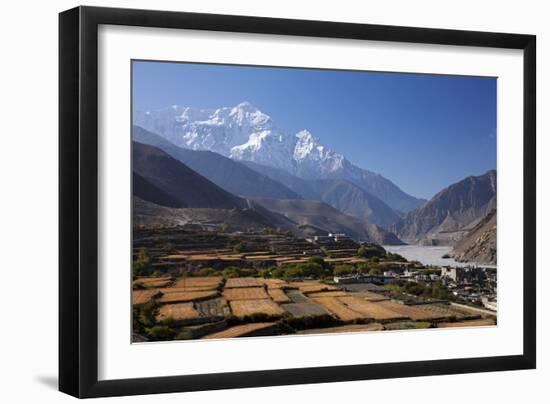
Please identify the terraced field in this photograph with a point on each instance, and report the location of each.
(243, 308)
(245, 330)
(334, 306)
(472, 323)
(178, 311)
(278, 295)
(300, 310)
(181, 297)
(213, 307)
(244, 293)
(243, 282)
(344, 328)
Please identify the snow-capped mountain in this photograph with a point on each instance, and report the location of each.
(243, 132)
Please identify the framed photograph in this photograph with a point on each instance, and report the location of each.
(252, 202)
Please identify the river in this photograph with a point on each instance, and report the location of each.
(428, 255)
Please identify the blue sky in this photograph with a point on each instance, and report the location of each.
(423, 132)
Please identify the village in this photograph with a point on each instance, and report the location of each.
(194, 281)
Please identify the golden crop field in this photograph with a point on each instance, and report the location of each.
(275, 283)
(174, 289)
(278, 295)
(416, 313)
(240, 330)
(482, 322)
(180, 297)
(339, 309)
(178, 311)
(156, 282)
(345, 328)
(329, 293)
(372, 297)
(243, 282)
(241, 308)
(244, 293)
(377, 311)
(306, 289)
(142, 296)
(211, 282)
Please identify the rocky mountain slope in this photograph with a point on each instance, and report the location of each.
(480, 244)
(451, 213)
(319, 215)
(228, 174)
(245, 133)
(178, 181)
(341, 194)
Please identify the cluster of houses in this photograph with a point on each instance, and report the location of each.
(470, 284)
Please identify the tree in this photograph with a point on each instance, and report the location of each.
(148, 313)
(293, 272)
(375, 271)
(342, 270)
(161, 332)
(142, 263)
(207, 272)
(277, 272)
(239, 247)
(317, 260)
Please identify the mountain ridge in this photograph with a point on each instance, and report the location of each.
(233, 176)
(245, 133)
(451, 213)
(338, 193)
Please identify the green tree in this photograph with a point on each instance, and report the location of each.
(375, 271)
(278, 272)
(142, 263)
(148, 313)
(293, 272)
(317, 260)
(342, 270)
(207, 272)
(239, 247)
(161, 332)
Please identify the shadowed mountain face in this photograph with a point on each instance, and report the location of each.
(231, 175)
(320, 216)
(341, 194)
(178, 181)
(480, 244)
(450, 214)
(145, 190)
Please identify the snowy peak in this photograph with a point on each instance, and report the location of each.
(244, 132)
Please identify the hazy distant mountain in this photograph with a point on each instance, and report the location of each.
(480, 244)
(450, 214)
(321, 216)
(341, 194)
(231, 175)
(245, 133)
(179, 181)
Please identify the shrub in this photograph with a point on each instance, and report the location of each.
(161, 332)
(375, 271)
(342, 270)
(371, 251)
(142, 263)
(184, 335)
(207, 272)
(148, 313)
(278, 273)
(317, 260)
(239, 247)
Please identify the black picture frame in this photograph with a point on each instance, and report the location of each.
(78, 201)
